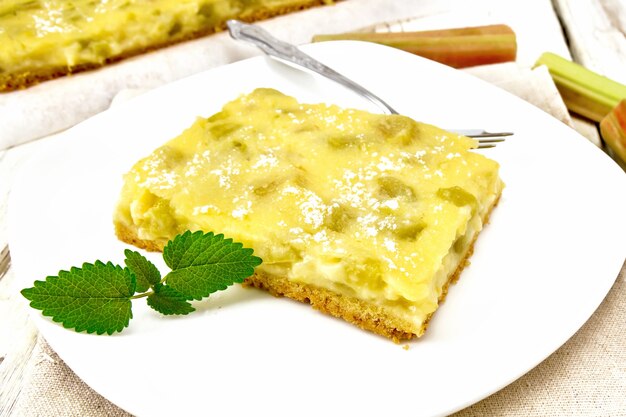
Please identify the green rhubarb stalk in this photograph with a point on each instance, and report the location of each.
(583, 91)
(613, 130)
(458, 48)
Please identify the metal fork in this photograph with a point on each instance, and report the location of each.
(284, 51)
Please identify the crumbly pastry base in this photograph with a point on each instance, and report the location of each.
(367, 316)
(129, 235)
(25, 79)
(374, 318)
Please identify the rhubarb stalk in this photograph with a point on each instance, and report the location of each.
(583, 91)
(613, 130)
(458, 48)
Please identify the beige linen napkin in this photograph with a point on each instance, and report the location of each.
(582, 378)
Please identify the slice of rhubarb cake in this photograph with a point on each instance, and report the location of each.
(367, 217)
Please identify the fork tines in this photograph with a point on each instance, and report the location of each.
(485, 139)
(485, 134)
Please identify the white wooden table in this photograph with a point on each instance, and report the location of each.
(595, 31)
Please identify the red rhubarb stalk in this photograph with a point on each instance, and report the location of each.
(458, 48)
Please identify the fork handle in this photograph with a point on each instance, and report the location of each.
(290, 53)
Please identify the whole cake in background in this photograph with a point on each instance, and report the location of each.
(46, 39)
(367, 217)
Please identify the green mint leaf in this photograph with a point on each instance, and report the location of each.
(145, 271)
(167, 300)
(95, 298)
(203, 263)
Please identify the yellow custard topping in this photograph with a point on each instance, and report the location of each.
(377, 207)
(41, 38)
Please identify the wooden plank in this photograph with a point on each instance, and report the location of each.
(18, 336)
(596, 30)
(16, 361)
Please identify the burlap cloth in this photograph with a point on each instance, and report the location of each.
(585, 377)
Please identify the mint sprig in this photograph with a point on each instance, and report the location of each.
(97, 298)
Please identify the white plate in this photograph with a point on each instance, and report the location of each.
(541, 267)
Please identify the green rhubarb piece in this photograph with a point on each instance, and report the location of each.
(584, 92)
